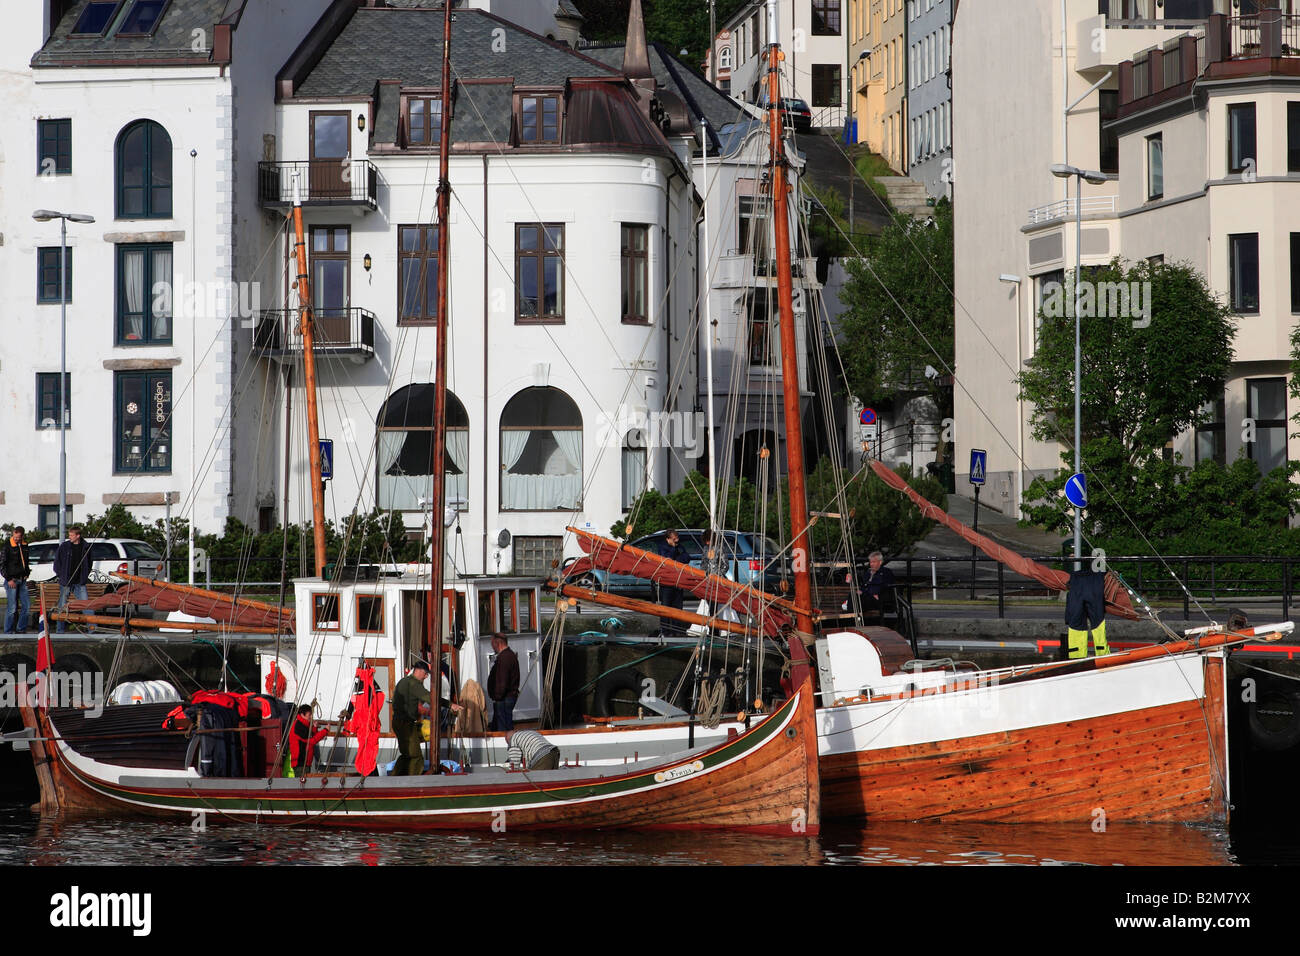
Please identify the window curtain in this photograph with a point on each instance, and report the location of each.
(162, 272)
(396, 490)
(458, 452)
(133, 288)
(515, 489)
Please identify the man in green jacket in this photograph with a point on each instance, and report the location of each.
(410, 703)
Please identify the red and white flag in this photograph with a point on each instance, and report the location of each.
(44, 645)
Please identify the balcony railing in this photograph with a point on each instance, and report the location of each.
(353, 182)
(1249, 36)
(1063, 208)
(347, 333)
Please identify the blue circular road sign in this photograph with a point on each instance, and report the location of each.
(1076, 490)
(868, 416)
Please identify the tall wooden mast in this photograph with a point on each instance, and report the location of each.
(437, 542)
(306, 322)
(800, 550)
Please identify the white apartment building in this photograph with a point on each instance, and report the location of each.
(573, 276)
(1014, 220)
(929, 94)
(814, 41)
(148, 116)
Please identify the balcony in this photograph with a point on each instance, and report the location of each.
(352, 182)
(738, 270)
(1105, 42)
(337, 333)
(1064, 209)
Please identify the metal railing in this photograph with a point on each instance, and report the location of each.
(320, 182)
(343, 330)
(1063, 208)
(1260, 582)
(1249, 36)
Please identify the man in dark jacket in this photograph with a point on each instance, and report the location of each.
(503, 684)
(410, 705)
(670, 547)
(72, 568)
(16, 568)
(876, 592)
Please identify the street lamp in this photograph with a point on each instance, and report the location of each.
(45, 215)
(1062, 171)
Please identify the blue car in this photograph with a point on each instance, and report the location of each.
(747, 557)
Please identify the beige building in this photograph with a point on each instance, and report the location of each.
(878, 58)
(1023, 101)
(1210, 129)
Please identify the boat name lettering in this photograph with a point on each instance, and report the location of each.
(678, 772)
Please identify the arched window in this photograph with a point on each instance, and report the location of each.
(541, 452)
(405, 440)
(144, 172)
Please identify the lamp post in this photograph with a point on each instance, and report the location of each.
(1062, 171)
(45, 215)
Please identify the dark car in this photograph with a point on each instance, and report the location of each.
(796, 112)
(746, 557)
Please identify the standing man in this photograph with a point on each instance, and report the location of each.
(16, 568)
(72, 568)
(503, 684)
(877, 591)
(410, 703)
(671, 548)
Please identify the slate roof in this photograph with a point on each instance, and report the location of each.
(381, 51)
(170, 41)
(701, 97)
(406, 44)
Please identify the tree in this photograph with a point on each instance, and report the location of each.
(1151, 358)
(898, 315)
(677, 24)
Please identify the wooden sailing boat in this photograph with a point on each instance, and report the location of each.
(762, 777)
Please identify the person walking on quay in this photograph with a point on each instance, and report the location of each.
(410, 703)
(72, 568)
(503, 684)
(16, 568)
(670, 547)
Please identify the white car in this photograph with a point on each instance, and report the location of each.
(107, 555)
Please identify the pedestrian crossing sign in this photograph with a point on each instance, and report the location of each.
(978, 465)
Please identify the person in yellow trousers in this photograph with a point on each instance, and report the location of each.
(1085, 614)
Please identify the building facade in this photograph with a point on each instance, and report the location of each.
(929, 95)
(150, 118)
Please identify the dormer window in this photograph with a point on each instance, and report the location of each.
(423, 120)
(95, 19)
(142, 19)
(539, 119)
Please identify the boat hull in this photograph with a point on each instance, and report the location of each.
(1143, 742)
(764, 780)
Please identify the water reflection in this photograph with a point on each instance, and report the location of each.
(26, 839)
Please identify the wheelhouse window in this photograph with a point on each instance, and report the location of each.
(370, 613)
(49, 274)
(54, 147)
(144, 172)
(635, 272)
(144, 294)
(1241, 137)
(405, 452)
(324, 612)
(142, 419)
(1266, 407)
(541, 452)
(423, 120)
(826, 18)
(1243, 268)
(539, 272)
(539, 119)
(47, 400)
(1155, 167)
(417, 275)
